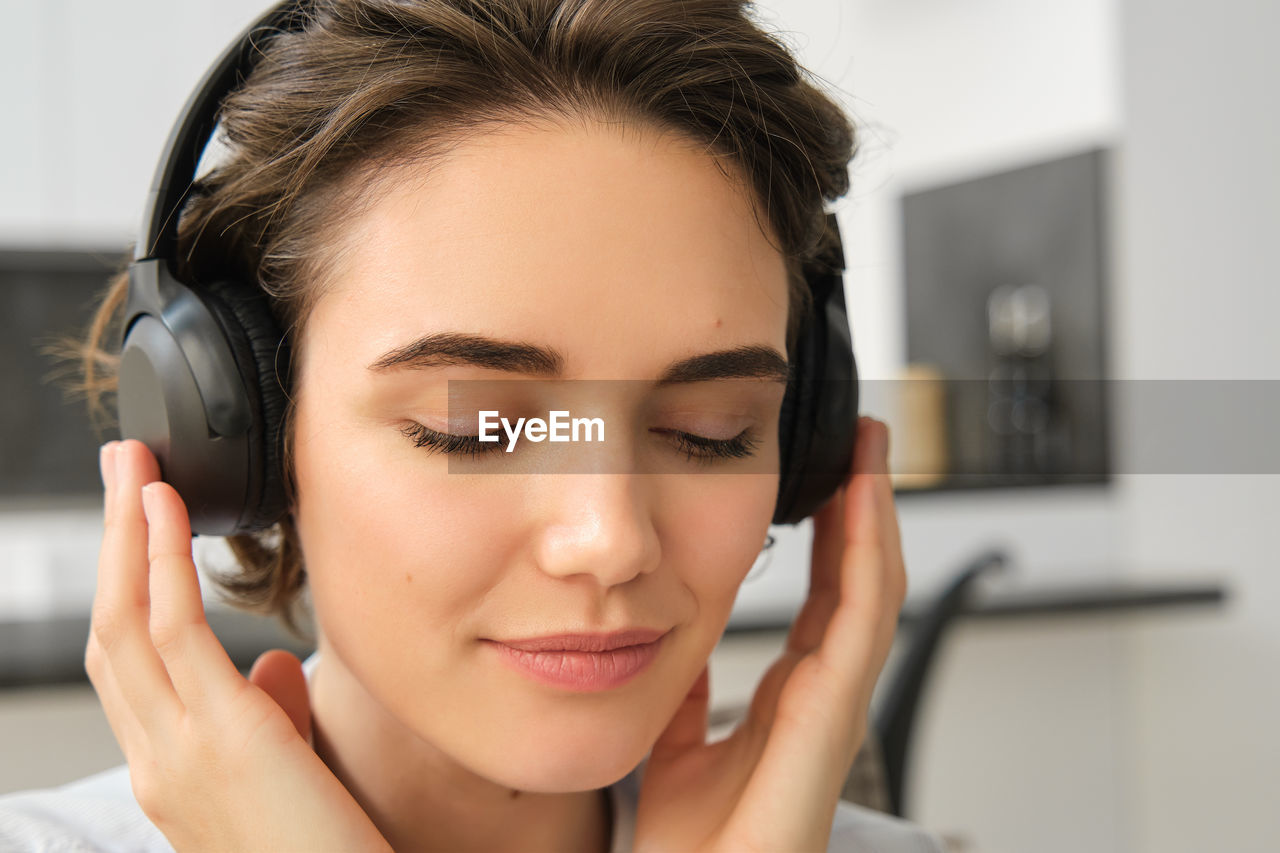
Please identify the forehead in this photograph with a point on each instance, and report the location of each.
(607, 242)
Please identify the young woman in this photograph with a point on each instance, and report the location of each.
(608, 191)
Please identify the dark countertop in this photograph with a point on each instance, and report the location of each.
(51, 651)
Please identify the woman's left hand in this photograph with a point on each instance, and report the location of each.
(774, 783)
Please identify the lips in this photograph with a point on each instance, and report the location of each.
(578, 670)
(587, 642)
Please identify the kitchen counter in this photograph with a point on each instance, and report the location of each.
(51, 651)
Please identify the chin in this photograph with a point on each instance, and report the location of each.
(552, 768)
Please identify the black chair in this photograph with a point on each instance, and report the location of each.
(894, 717)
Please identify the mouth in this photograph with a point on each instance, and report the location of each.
(588, 642)
(579, 670)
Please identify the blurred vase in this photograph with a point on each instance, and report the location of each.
(918, 439)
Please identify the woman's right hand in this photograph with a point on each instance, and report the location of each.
(215, 762)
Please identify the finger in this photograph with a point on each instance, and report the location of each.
(804, 764)
(124, 725)
(828, 553)
(280, 675)
(828, 542)
(891, 535)
(122, 601)
(96, 666)
(825, 562)
(858, 626)
(197, 664)
(688, 727)
(130, 466)
(895, 576)
(107, 469)
(758, 723)
(810, 624)
(820, 712)
(819, 717)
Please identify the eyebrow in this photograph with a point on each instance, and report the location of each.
(751, 361)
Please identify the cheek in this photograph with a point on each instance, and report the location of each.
(395, 546)
(719, 531)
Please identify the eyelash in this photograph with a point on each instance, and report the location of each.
(704, 450)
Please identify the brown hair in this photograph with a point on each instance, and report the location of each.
(370, 83)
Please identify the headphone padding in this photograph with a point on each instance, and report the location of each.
(792, 441)
(818, 422)
(263, 357)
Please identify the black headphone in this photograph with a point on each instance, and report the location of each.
(203, 366)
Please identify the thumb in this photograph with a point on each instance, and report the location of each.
(279, 674)
(688, 728)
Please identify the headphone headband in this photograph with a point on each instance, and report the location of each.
(195, 125)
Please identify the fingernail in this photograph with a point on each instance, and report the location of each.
(106, 465)
(121, 464)
(880, 453)
(148, 500)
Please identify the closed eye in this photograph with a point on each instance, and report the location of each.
(693, 447)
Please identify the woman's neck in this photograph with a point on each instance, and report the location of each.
(422, 800)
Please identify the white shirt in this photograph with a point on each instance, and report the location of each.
(98, 814)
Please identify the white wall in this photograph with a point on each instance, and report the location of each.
(1199, 213)
(90, 92)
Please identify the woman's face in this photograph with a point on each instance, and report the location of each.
(623, 252)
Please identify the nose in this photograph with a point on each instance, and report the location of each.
(598, 524)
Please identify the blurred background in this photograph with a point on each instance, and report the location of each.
(1062, 282)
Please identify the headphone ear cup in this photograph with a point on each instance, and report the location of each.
(818, 421)
(262, 354)
(792, 438)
